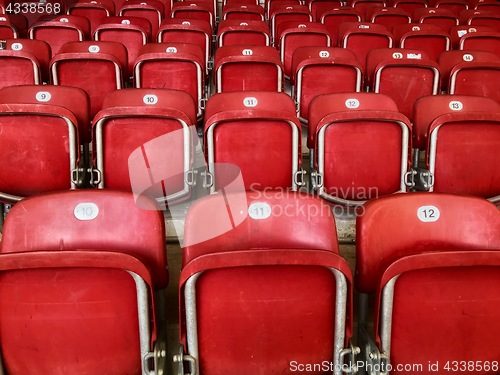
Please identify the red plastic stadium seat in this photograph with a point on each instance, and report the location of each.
(287, 13)
(39, 149)
(78, 273)
(333, 18)
(361, 37)
(488, 5)
(455, 6)
(403, 74)
(318, 7)
(132, 32)
(457, 32)
(363, 5)
(409, 5)
(447, 62)
(93, 10)
(194, 11)
(323, 70)
(432, 260)
(248, 68)
(60, 30)
(73, 99)
(271, 5)
(176, 66)
(94, 66)
(236, 32)
(428, 108)
(9, 28)
(243, 12)
(443, 18)
(481, 41)
(480, 18)
(292, 35)
(389, 17)
(361, 147)
(23, 62)
(143, 142)
(259, 133)
(462, 154)
(428, 38)
(241, 292)
(152, 10)
(198, 32)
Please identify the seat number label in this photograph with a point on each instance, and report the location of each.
(86, 211)
(43, 96)
(428, 214)
(250, 102)
(259, 210)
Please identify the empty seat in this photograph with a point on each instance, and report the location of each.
(323, 70)
(480, 18)
(268, 272)
(177, 66)
(489, 5)
(333, 18)
(403, 74)
(457, 32)
(389, 17)
(194, 11)
(93, 10)
(360, 147)
(247, 68)
(132, 32)
(236, 32)
(424, 37)
(243, 12)
(143, 142)
(153, 10)
(428, 108)
(94, 66)
(39, 148)
(361, 37)
(73, 99)
(198, 32)
(460, 59)
(257, 132)
(318, 7)
(455, 6)
(271, 5)
(60, 30)
(23, 62)
(481, 41)
(443, 18)
(363, 5)
(79, 272)
(433, 278)
(287, 13)
(12, 26)
(462, 154)
(409, 5)
(292, 35)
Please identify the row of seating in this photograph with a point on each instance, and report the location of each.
(263, 287)
(143, 140)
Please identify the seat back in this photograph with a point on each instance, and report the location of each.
(243, 12)
(428, 38)
(264, 267)
(237, 32)
(143, 142)
(481, 41)
(439, 273)
(389, 17)
(152, 10)
(387, 66)
(256, 131)
(93, 10)
(81, 273)
(94, 66)
(323, 70)
(333, 18)
(461, 154)
(374, 142)
(443, 18)
(248, 68)
(23, 62)
(176, 66)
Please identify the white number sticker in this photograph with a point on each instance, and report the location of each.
(259, 210)
(64, 20)
(43, 96)
(247, 52)
(428, 214)
(17, 46)
(94, 49)
(468, 57)
(86, 211)
(243, 24)
(186, 23)
(455, 105)
(250, 102)
(171, 50)
(397, 55)
(126, 22)
(302, 26)
(324, 54)
(150, 99)
(415, 28)
(352, 103)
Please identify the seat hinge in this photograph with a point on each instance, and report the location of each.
(183, 359)
(299, 178)
(347, 359)
(316, 180)
(190, 177)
